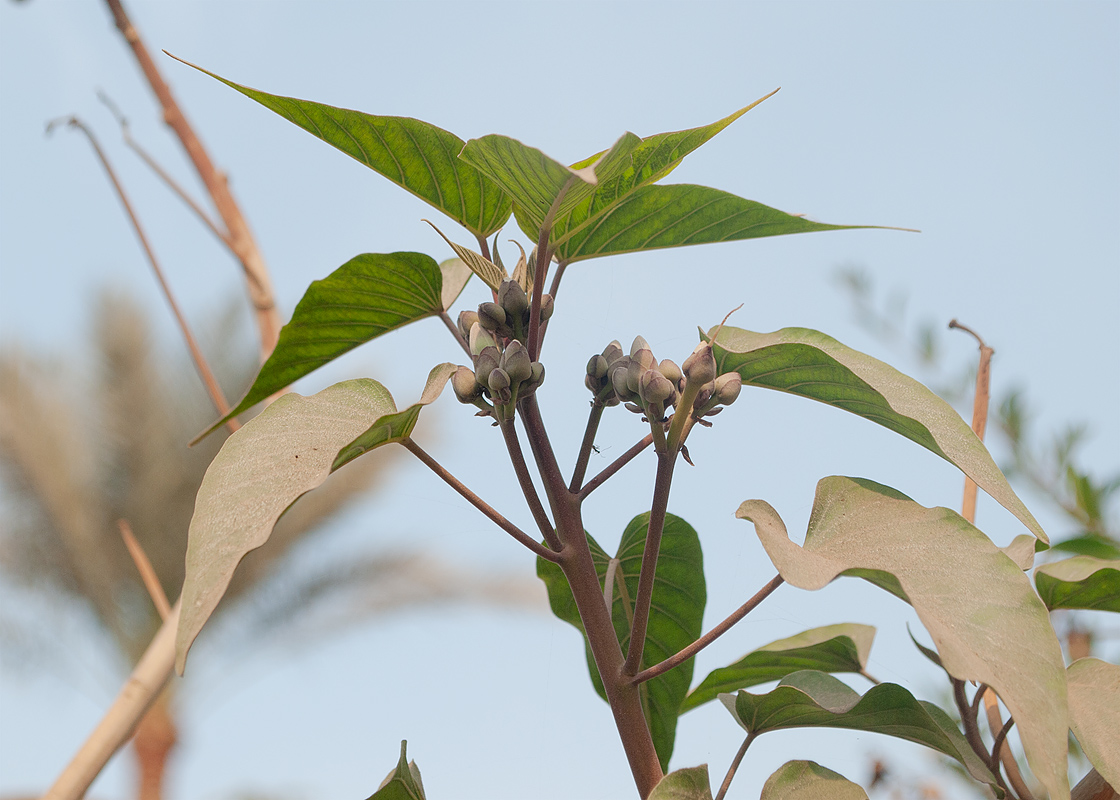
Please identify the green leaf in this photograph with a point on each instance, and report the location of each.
(684, 784)
(415, 155)
(807, 780)
(654, 158)
(535, 180)
(832, 648)
(403, 783)
(397, 427)
(284, 452)
(988, 624)
(675, 619)
(1080, 582)
(677, 215)
(810, 364)
(811, 699)
(1094, 713)
(1089, 544)
(369, 295)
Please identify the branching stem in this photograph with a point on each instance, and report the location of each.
(479, 503)
(615, 466)
(525, 480)
(709, 637)
(585, 448)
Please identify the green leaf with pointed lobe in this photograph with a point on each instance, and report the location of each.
(654, 217)
(810, 364)
(1080, 582)
(811, 699)
(650, 161)
(1094, 713)
(278, 456)
(415, 155)
(369, 295)
(997, 632)
(676, 614)
(535, 180)
(808, 780)
(691, 783)
(403, 783)
(832, 648)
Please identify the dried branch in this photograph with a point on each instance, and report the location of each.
(146, 570)
(238, 236)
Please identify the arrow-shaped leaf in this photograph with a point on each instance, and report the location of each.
(811, 699)
(403, 783)
(810, 364)
(369, 295)
(1094, 713)
(997, 632)
(413, 154)
(650, 161)
(832, 648)
(675, 619)
(284, 452)
(808, 780)
(1080, 582)
(653, 217)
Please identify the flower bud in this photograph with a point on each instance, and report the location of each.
(639, 344)
(492, 317)
(515, 362)
(548, 305)
(480, 339)
(486, 362)
(499, 383)
(634, 370)
(597, 368)
(654, 388)
(536, 376)
(727, 388)
(612, 352)
(467, 319)
(619, 372)
(465, 386)
(512, 298)
(671, 371)
(700, 367)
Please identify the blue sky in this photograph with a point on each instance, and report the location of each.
(991, 127)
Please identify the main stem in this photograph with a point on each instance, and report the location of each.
(576, 563)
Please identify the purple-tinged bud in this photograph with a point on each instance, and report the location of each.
(465, 386)
(536, 377)
(516, 363)
(653, 387)
(613, 352)
(597, 368)
(619, 372)
(492, 317)
(512, 298)
(671, 371)
(548, 305)
(486, 362)
(727, 388)
(467, 319)
(700, 367)
(499, 384)
(639, 344)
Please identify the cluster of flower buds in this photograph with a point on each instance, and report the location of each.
(502, 371)
(650, 387)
